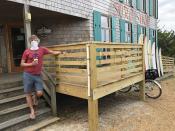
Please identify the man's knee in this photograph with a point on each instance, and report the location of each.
(39, 93)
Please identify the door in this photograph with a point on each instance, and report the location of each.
(17, 46)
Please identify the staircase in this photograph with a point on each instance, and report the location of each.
(14, 112)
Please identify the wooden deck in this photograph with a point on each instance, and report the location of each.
(92, 70)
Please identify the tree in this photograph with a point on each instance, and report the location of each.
(166, 41)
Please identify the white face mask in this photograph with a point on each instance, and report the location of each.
(34, 45)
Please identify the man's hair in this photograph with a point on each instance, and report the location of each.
(34, 37)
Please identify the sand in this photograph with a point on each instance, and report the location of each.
(121, 112)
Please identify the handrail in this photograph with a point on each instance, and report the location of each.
(52, 88)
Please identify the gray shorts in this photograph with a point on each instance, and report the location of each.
(32, 83)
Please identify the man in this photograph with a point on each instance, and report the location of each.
(32, 60)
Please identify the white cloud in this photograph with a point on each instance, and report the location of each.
(167, 14)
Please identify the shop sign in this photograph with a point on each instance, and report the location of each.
(130, 14)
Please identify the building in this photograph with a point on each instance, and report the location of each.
(70, 21)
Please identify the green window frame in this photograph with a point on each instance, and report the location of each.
(97, 25)
(113, 28)
(126, 32)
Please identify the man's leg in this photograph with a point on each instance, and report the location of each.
(39, 90)
(28, 85)
(30, 104)
(35, 97)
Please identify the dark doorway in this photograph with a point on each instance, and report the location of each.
(17, 46)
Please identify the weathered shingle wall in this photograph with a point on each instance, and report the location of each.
(64, 30)
(79, 8)
(84, 9)
(107, 7)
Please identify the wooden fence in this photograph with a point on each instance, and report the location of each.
(168, 64)
(92, 70)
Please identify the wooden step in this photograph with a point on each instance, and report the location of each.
(11, 89)
(41, 124)
(16, 108)
(11, 84)
(11, 99)
(20, 119)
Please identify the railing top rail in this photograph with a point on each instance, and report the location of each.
(167, 57)
(96, 43)
(72, 44)
(115, 43)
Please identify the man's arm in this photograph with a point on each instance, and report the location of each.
(55, 52)
(23, 64)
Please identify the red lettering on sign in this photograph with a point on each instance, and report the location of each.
(131, 14)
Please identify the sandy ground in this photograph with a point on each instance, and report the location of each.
(121, 112)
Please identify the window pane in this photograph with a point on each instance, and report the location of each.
(126, 27)
(107, 35)
(103, 35)
(104, 22)
(129, 38)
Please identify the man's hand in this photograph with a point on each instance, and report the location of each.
(35, 62)
(23, 64)
(57, 52)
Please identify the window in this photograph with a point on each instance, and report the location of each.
(153, 33)
(154, 8)
(141, 30)
(105, 29)
(128, 2)
(144, 6)
(141, 5)
(128, 32)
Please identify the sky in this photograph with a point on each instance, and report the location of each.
(167, 14)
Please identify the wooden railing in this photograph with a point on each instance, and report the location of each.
(69, 68)
(49, 91)
(168, 64)
(118, 62)
(93, 65)
(92, 70)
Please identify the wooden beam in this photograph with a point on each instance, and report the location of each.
(113, 87)
(68, 89)
(142, 83)
(93, 114)
(142, 90)
(93, 104)
(93, 67)
(27, 23)
(47, 98)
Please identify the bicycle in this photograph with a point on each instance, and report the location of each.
(153, 88)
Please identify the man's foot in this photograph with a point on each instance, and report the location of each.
(35, 100)
(32, 115)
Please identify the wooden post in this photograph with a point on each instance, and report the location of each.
(93, 104)
(53, 97)
(93, 114)
(53, 101)
(52, 87)
(27, 21)
(142, 83)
